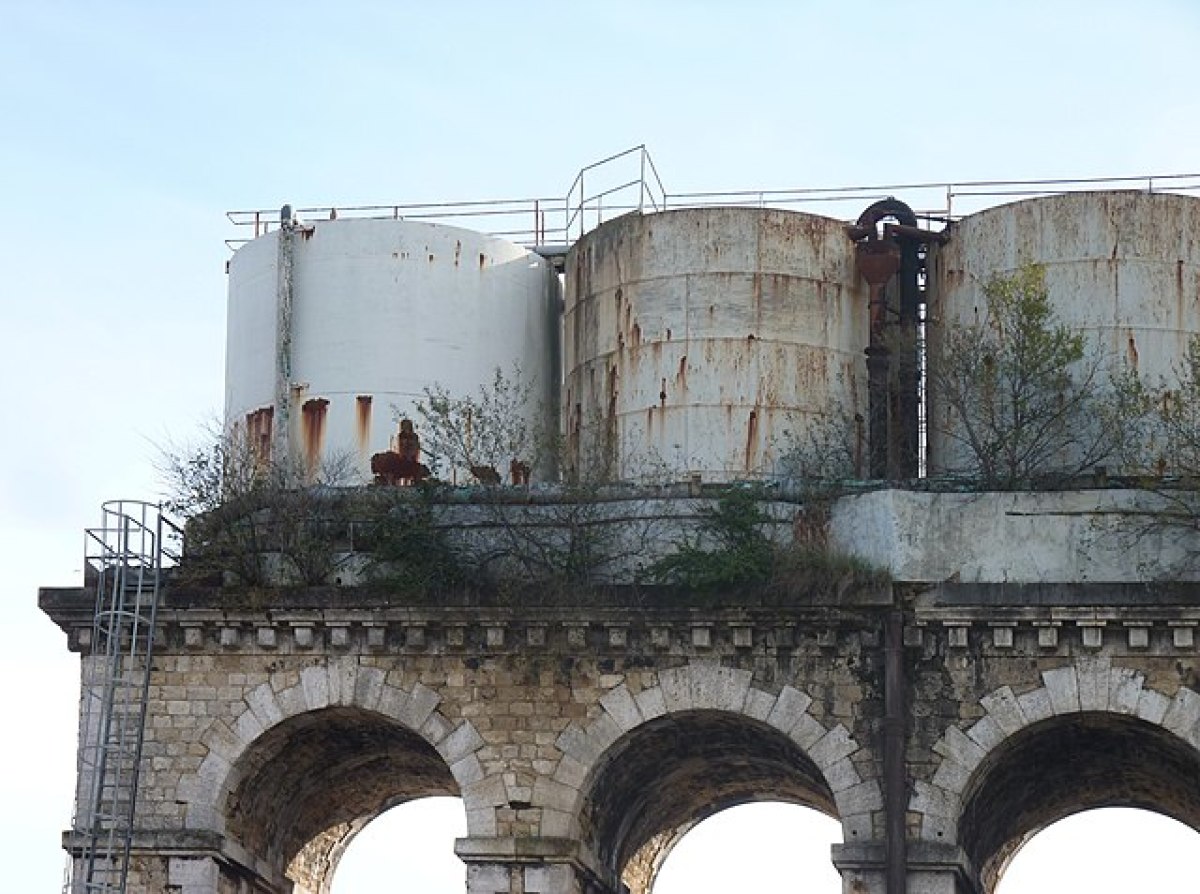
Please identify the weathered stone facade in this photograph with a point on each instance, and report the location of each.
(585, 740)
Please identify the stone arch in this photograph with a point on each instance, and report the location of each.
(268, 780)
(1092, 735)
(612, 767)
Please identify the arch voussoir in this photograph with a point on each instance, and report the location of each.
(1089, 686)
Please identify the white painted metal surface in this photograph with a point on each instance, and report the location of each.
(707, 340)
(382, 309)
(1122, 267)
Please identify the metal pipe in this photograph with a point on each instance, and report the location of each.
(894, 774)
(281, 448)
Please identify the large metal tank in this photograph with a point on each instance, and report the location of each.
(711, 341)
(1123, 268)
(379, 310)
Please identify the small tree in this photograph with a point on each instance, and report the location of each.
(485, 433)
(241, 510)
(1016, 393)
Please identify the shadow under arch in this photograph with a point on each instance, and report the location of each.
(1064, 765)
(657, 781)
(302, 791)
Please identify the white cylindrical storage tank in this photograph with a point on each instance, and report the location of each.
(380, 310)
(1122, 268)
(711, 341)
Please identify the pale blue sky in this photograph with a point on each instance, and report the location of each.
(129, 128)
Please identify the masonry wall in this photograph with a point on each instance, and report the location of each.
(585, 738)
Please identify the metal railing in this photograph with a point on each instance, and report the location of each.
(629, 181)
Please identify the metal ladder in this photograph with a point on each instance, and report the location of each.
(125, 556)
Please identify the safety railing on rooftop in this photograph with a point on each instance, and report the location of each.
(629, 181)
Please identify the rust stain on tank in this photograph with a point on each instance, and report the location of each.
(662, 394)
(312, 427)
(362, 420)
(751, 438)
(668, 335)
(259, 428)
(681, 376)
(635, 334)
(1131, 351)
(482, 260)
(457, 251)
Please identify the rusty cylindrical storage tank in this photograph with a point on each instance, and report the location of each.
(705, 341)
(381, 309)
(1121, 267)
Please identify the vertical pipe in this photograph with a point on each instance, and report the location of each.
(281, 448)
(894, 776)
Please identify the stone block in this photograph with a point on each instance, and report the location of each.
(955, 744)
(467, 770)
(836, 744)
(862, 797)
(807, 731)
(1093, 678)
(1139, 636)
(719, 688)
(951, 776)
(292, 701)
(459, 743)
(368, 687)
(841, 775)
(555, 823)
(758, 704)
(789, 707)
(554, 795)
(315, 683)
(1047, 636)
(263, 702)
(487, 792)
(1063, 686)
(1152, 706)
(1005, 709)
(1036, 705)
(651, 702)
(570, 772)
(622, 707)
(1183, 713)
(1125, 686)
(488, 879)
(676, 686)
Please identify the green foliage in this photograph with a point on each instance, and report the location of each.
(732, 552)
(1016, 390)
(248, 520)
(408, 551)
